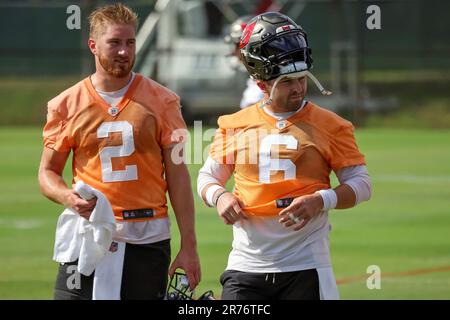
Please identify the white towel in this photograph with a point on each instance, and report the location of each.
(86, 240)
(108, 274)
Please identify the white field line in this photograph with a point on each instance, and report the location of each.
(21, 224)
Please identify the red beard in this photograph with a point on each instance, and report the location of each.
(114, 69)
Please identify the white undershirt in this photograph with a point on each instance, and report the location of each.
(136, 232)
(114, 97)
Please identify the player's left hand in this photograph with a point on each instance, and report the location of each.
(188, 260)
(301, 211)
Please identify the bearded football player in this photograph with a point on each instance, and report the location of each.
(281, 152)
(119, 127)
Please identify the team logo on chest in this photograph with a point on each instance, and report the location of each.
(281, 124)
(113, 111)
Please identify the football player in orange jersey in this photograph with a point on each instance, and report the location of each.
(120, 127)
(281, 152)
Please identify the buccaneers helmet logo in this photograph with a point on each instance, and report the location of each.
(247, 33)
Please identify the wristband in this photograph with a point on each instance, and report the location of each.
(329, 199)
(218, 196)
(210, 193)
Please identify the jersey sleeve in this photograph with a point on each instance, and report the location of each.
(173, 127)
(227, 138)
(56, 134)
(223, 147)
(344, 150)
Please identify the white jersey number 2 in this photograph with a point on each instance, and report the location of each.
(268, 164)
(124, 150)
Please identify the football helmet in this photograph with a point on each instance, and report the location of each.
(178, 289)
(273, 46)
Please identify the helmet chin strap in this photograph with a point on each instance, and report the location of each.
(296, 75)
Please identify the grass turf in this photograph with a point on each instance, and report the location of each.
(403, 228)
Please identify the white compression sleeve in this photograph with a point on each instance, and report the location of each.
(213, 172)
(358, 179)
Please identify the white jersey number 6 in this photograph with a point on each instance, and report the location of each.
(268, 164)
(125, 150)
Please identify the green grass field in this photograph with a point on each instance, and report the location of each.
(403, 229)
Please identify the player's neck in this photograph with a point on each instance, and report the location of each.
(107, 83)
(284, 109)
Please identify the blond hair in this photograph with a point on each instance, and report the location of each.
(117, 13)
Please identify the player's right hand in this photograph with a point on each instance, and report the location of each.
(229, 208)
(83, 207)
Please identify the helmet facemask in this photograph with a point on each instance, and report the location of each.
(178, 289)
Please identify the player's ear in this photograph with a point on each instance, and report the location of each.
(91, 45)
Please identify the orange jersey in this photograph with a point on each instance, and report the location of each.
(119, 155)
(275, 161)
